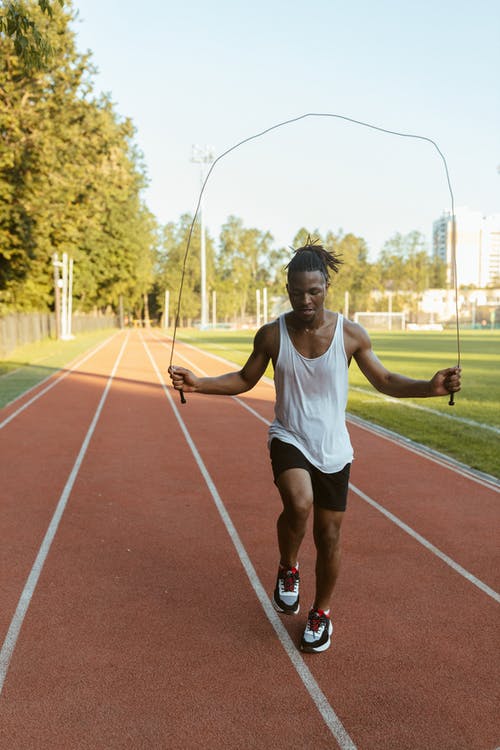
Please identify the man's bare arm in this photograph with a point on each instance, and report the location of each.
(230, 383)
(392, 383)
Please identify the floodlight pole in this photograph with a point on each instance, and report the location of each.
(67, 297)
(203, 156)
(166, 311)
(63, 295)
(346, 304)
(70, 299)
(57, 294)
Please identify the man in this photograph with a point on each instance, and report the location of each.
(311, 454)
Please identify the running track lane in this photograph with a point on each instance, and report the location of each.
(38, 447)
(362, 673)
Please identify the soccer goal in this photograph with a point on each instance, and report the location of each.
(381, 321)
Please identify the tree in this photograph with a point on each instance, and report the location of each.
(170, 264)
(19, 23)
(246, 261)
(437, 273)
(356, 276)
(406, 269)
(70, 181)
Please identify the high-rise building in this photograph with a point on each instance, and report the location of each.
(492, 249)
(477, 246)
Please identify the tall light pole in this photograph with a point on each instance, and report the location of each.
(203, 155)
(63, 295)
(57, 293)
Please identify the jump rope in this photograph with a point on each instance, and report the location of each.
(350, 120)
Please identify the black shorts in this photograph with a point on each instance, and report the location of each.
(329, 490)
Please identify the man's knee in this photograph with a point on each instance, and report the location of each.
(297, 496)
(298, 512)
(327, 535)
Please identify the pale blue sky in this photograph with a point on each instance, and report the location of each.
(214, 73)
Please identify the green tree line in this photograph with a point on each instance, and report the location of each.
(246, 259)
(71, 178)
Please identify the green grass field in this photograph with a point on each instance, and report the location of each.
(447, 429)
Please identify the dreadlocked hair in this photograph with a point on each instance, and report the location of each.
(314, 257)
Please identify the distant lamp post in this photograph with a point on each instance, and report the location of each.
(203, 155)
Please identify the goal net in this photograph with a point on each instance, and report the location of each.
(381, 321)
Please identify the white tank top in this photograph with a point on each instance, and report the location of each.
(311, 399)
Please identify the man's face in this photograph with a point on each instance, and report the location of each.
(307, 292)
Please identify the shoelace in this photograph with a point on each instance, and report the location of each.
(290, 580)
(315, 620)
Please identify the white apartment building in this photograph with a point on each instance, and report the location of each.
(477, 246)
(476, 307)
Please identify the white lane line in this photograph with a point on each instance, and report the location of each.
(50, 386)
(29, 588)
(197, 349)
(428, 545)
(404, 442)
(203, 372)
(329, 716)
(267, 380)
(487, 480)
(402, 525)
(235, 398)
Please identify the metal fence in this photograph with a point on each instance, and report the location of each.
(25, 328)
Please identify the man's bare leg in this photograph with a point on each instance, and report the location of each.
(297, 495)
(327, 538)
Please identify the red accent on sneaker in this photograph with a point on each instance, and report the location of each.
(320, 612)
(314, 619)
(289, 582)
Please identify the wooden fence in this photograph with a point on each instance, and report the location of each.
(25, 328)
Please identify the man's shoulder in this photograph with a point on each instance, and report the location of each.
(356, 335)
(269, 328)
(354, 329)
(267, 337)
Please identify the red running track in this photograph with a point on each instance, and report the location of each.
(134, 588)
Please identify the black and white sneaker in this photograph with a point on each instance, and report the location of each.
(318, 630)
(286, 593)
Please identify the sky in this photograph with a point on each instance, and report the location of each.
(213, 73)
